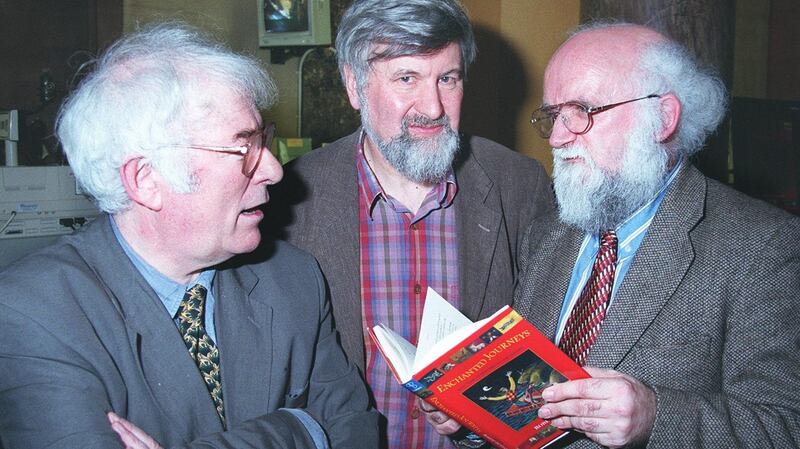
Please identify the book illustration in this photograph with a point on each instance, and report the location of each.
(461, 355)
(490, 335)
(513, 392)
(431, 377)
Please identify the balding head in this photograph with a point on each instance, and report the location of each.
(602, 59)
(626, 103)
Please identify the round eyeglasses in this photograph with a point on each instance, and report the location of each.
(251, 151)
(576, 116)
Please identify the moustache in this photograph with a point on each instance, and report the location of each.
(421, 120)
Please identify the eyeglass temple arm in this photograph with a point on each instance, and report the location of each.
(613, 105)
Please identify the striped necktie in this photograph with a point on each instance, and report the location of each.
(583, 324)
(191, 316)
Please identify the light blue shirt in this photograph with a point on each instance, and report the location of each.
(170, 292)
(629, 236)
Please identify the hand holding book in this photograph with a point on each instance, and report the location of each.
(487, 375)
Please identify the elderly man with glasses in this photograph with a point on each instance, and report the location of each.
(145, 330)
(680, 295)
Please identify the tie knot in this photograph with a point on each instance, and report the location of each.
(197, 291)
(608, 238)
(194, 301)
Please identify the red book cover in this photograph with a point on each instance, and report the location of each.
(491, 382)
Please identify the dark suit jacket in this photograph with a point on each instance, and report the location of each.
(707, 315)
(82, 333)
(499, 193)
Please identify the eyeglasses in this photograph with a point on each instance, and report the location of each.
(251, 150)
(576, 116)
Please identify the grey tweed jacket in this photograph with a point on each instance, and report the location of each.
(499, 192)
(82, 333)
(707, 315)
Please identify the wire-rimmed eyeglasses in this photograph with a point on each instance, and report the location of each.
(251, 150)
(576, 116)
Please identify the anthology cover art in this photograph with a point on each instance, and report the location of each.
(513, 392)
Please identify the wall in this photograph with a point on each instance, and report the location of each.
(234, 22)
(515, 38)
(523, 31)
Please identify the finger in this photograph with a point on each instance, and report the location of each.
(601, 372)
(592, 388)
(447, 427)
(131, 434)
(595, 426)
(127, 437)
(426, 407)
(436, 418)
(585, 408)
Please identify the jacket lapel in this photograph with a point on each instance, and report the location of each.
(244, 330)
(478, 227)
(657, 269)
(169, 372)
(545, 279)
(338, 237)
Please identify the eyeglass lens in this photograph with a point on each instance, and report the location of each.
(573, 116)
(259, 142)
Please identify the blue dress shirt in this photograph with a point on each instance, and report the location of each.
(629, 236)
(170, 292)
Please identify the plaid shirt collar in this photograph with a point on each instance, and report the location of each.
(371, 190)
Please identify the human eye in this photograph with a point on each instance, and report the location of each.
(449, 80)
(405, 79)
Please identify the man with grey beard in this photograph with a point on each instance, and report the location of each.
(406, 203)
(679, 295)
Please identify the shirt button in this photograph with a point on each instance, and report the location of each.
(413, 226)
(417, 289)
(415, 412)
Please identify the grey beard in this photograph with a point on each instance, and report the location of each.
(602, 201)
(421, 160)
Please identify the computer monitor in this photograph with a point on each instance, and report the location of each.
(37, 206)
(283, 23)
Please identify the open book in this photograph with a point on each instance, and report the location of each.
(487, 375)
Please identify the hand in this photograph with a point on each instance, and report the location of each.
(442, 424)
(132, 437)
(611, 408)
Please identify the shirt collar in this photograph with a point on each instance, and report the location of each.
(169, 292)
(633, 226)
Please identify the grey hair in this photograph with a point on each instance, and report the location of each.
(668, 67)
(405, 28)
(136, 100)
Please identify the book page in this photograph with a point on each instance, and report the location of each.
(439, 319)
(397, 350)
(451, 340)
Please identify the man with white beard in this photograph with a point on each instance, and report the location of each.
(406, 202)
(679, 295)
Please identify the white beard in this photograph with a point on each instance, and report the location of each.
(595, 200)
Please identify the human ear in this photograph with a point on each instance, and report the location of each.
(352, 87)
(141, 185)
(670, 108)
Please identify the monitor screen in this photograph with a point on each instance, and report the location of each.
(294, 22)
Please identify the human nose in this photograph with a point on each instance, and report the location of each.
(269, 170)
(560, 134)
(429, 102)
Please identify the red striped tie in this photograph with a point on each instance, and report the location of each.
(583, 324)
